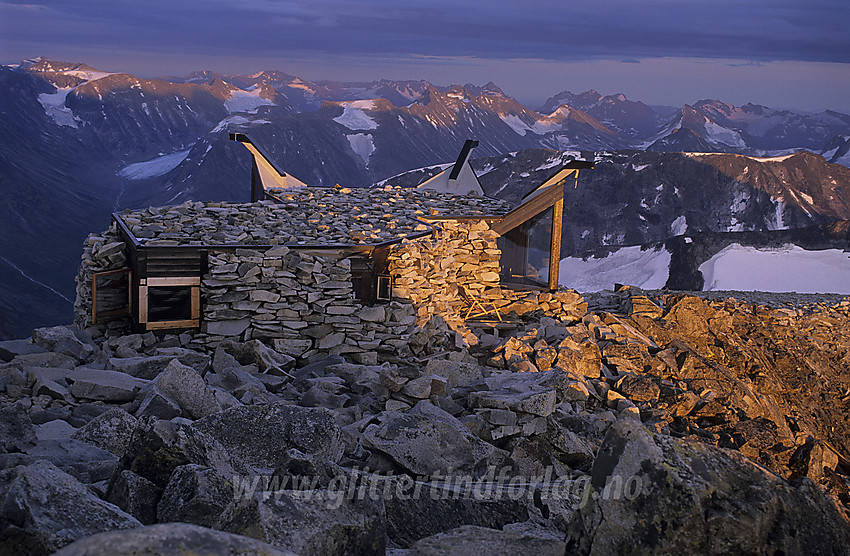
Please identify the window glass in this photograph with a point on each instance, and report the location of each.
(169, 303)
(526, 252)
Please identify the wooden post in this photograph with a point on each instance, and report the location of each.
(555, 250)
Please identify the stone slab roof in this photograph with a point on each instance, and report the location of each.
(306, 216)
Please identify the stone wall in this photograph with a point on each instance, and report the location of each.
(304, 305)
(429, 272)
(101, 252)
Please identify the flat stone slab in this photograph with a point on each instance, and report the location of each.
(104, 385)
(9, 349)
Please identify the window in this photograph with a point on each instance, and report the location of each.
(110, 294)
(526, 252)
(169, 302)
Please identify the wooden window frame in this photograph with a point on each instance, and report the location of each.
(115, 313)
(194, 282)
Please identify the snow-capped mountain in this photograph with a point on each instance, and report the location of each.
(838, 150)
(714, 126)
(634, 197)
(78, 143)
(632, 119)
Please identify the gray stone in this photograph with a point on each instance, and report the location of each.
(259, 435)
(146, 367)
(195, 494)
(456, 373)
(156, 404)
(61, 339)
(372, 314)
(44, 509)
(418, 387)
(48, 359)
(573, 449)
(674, 496)
(331, 340)
(428, 440)
(54, 430)
(47, 387)
(170, 539)
(9, 349)
(135, 495)
(222, 360)
(434, 510)
(499, 416)
(470, 539)
(254, 352)
(186, 387)
(110, 431)
(318, 397)
(198, 361)
(226, 327)
(82, 460)
(158, 447)
(311, 522)
(109, 386)
(17, 432)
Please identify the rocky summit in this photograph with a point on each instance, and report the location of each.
(646, 423)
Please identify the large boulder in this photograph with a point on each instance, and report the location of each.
(159, 447)
(9, 349)
(411, 517)
(110, 431)
(17, 432)
(135, 495)
(195, 494)
(655, 494)
(187, 388)
(261, 435)
(103, 385)
(535, 393)
(310, 522)
(61, 339)
(254, 352)
(456, 373)
(43, 508)
(170, 539)
(482, 540)
(428, 440)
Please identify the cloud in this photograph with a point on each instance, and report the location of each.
(500, 29)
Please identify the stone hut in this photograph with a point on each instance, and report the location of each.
(371, 273)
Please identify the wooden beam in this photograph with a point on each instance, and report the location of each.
(558, 177)
(143, 304)
(174, 281)
(196, 303)
(161, 325)
(555, 250)
(530, 209)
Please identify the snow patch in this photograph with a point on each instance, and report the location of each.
(54, 107)
(246, 101)
(719, 134)
(154, 167)
(679, 226)
(361, 143)
(353, 116)
(236, 120)
(773, 158)
(787, 269)
(645, 269)
(515, 123)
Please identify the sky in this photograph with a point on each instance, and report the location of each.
(779, 53)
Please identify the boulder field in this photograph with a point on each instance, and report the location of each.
(652, 424)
